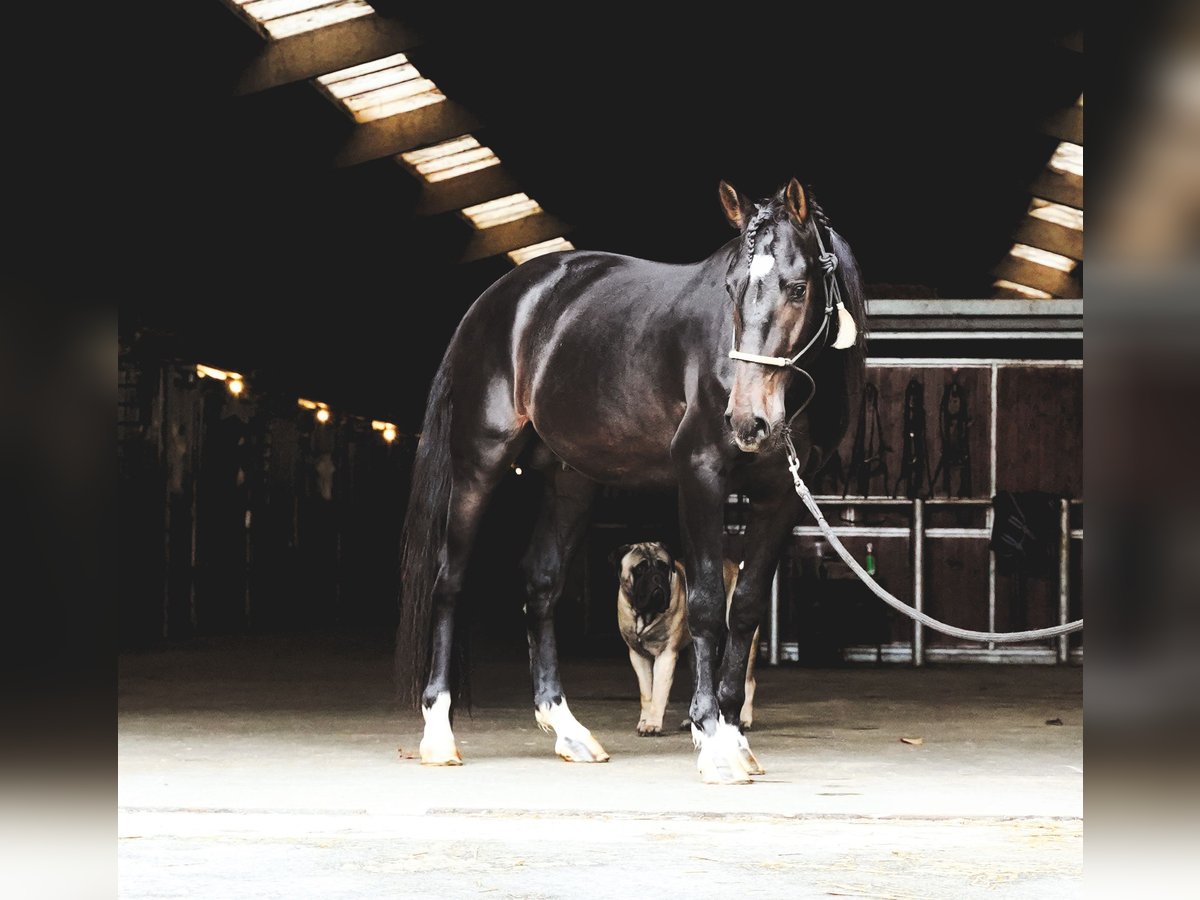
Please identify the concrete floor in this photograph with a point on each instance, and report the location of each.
(272, 767)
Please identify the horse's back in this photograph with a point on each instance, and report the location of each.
(588, 342)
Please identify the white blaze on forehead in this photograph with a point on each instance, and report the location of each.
(761, 265)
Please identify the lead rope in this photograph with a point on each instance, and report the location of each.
(999, 637)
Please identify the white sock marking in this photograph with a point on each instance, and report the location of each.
(438, 740)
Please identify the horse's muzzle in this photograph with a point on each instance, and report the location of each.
(750, 434)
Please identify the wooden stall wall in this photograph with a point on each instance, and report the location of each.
(1035, 409)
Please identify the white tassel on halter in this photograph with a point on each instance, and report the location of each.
(847, 332)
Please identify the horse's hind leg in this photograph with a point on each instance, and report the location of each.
(559, 530)
(478, 464)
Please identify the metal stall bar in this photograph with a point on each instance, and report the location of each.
(993, 442)
(773, 633)
(918, 563)
(1064, 578)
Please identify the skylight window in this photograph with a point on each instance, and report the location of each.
(500, 211)
(1027, 292)
(449, 159)
(381, 88)
(1043, 257)
(284, 18)
(1068, 158)
(1057, 213)
(524, 254)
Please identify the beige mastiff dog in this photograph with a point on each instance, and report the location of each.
(652, 616)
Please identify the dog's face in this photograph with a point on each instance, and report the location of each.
(645, 574)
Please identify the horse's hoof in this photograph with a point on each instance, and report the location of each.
(438, 747)
(433, 754)
(725, 757)
(751, 764)
(645, 729)
(747, 726)
(575, 743)
(580, 748)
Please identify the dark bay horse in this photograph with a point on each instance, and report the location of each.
(605, 369)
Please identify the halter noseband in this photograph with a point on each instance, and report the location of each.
(846, 326)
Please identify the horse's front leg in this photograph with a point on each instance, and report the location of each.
(772, 514)
(701, 516)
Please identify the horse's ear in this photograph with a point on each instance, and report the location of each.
(617, 555)
(795, 201)
(738, 209)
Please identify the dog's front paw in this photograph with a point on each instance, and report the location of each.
(646, 729)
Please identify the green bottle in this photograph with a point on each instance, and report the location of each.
(870, 560)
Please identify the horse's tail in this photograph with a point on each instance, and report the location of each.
(423, 540)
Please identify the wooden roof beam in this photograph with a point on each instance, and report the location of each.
(1066, 125)
(1051, 236)
(1035, 275)
(324, 50)
(1059, 187)
(513, 235)
(395, 134)
(465, 190)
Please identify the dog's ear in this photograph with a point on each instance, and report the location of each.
(617, 555)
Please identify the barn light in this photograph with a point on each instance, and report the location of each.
(386, 428)
(203, 371)
(323, 415)
(235, 385)
(523, 254)
(449, 159)
(517, 469)
(1043, 257)
(284, 18)
(498, 212)
(380, 88)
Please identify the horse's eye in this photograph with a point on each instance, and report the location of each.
(796, 292)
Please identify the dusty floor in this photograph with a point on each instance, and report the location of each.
(270, 768)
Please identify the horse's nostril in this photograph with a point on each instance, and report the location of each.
(761, 428)
(729, 419)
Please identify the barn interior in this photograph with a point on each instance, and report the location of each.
(344, 179)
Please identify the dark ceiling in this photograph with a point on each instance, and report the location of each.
(919, 132)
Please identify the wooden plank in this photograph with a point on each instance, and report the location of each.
(1051, 236)
(387, 137)
(1066, 125)
(465, 190)
(1035, 275)
(325, 50)
(512, 235)
(1059, 187)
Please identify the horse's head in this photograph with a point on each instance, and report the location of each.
(780, 309)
